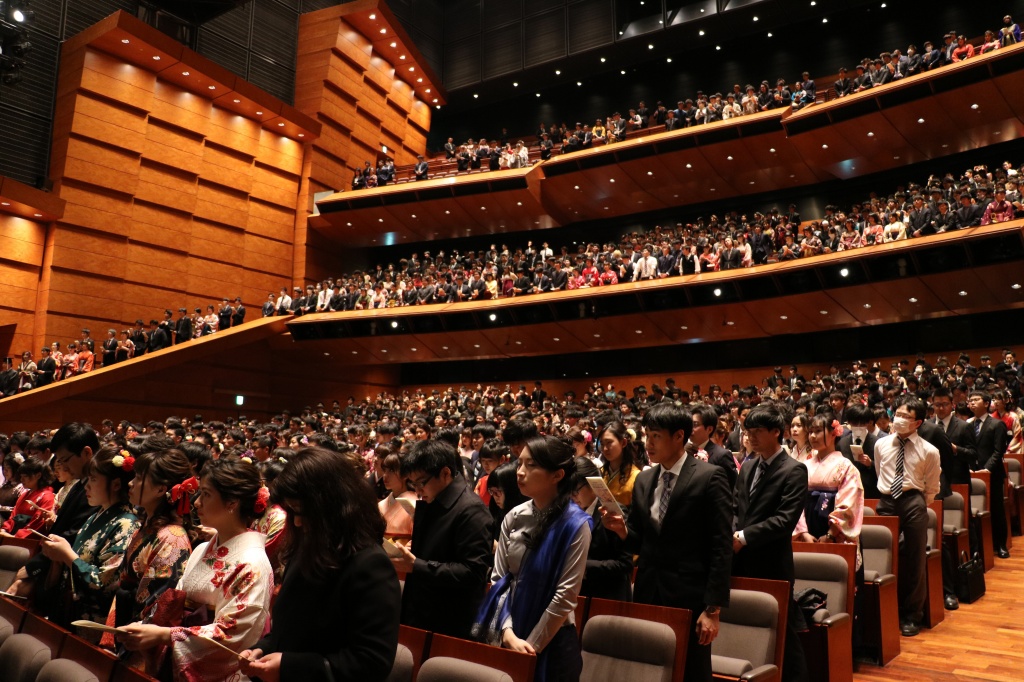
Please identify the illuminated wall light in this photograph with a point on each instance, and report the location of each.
(372, 17)
(212, 87)
(383, 30)
(185, 73)
(125, 41)
(259, 113)
(156, 58)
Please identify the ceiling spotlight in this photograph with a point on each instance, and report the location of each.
(668, 59)
(374, 16)
(476, 96)
(845, 272)
(236, 101)
(558, 72)
(259, 113)
(1015, 286)
(515, 85)
(603, 60)
(383, 30)
(650, 47)
(974, 106)
(578, 83)
(718, 292)
(212, 87)
(823, 312)
(394, 325)
(125, 41)
(824, 146)
(824, 20)
(769, 34)
(755, 18)
(718, 47)
(783, 317)
(538, 94)
(22, 15)
(623, 72)
(963, 293)
(912, 299)
(920, 120)
(867, 306)
(701, 32)
(492, 317)
(185, 73)
(394, 44)
(156, 58)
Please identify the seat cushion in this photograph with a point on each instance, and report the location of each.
(63, 670)
(443, 669)
(870, 576)
(730, 667)
(22, 657)
(401, 671)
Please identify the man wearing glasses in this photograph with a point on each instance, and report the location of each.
(446, 568)
(73, 446)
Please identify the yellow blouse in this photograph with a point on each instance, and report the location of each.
(623, 492)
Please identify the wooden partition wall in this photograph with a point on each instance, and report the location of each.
(182, 182)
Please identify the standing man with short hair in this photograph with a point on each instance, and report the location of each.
(990, 436)
(908, 470)
(680, 524)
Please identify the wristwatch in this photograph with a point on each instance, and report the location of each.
(712, 610)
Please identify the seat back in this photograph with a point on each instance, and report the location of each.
(747, 633)
(64, 670)
(619, 648)
(679, 621)
(979, 496)
(829, 573)
(12, 558)
(445, 669)
(1013, 470)
(417, 642)
(869, 511)
(876, 548)
(11, 618)
(22, 657)
(933, 529)
(953, 511)
(401, 670)
(518, 667)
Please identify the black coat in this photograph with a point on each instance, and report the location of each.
(345, 628)
(721, 457)
(609, 565)
(868, 476)
(769, 518)
(991, 446)
(956, 466)
(451, 538)
(934, 434)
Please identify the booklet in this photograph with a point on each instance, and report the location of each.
(600, 488)
(98, 627)
(392, 550)
(407, 504)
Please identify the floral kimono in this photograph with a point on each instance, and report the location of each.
(272, 524)
(25, 518)
(836, 499)
(233, 583)
(100, 547)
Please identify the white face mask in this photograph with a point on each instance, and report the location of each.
(859, 434)
(902, 425)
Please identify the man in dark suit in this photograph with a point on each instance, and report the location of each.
(858, 445)
(268, 308)
(680, 525)
(957, 463)
(238, 314)
(421, 168)
(183, 327)
(990, 436)
(705, 421)
(45, 368)
(448, 563)
(770, 497)
(224, 314)
(72, 446)
(158, 338)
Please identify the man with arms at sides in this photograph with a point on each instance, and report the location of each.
(991, 438)
(450, 558)
(956, 469)
(680, 524)
(908, 469)
(705, 421)
(72, 446)
(770, 496)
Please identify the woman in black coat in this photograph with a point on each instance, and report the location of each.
(609, 566)
(336, 617)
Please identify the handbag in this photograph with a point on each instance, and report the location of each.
(969, 580)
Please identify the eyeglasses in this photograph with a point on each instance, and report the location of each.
(419, 485)
(64, 460)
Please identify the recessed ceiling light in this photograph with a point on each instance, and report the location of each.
(476, 96)
(575, 186)
(920, 120)
(650, 47)
(769, 34)
(476, 345)
(823, 312)
(623, 72)
(639, 331)
(845, 272)
(355, 352)
(444, 347)
(718, 47)
(867, 306)
(394, 325)
(515, 85)
(383, 350)
(963, 293)
(730, 323)
(383, 30)
(447, 212)
(684, 327)
(689, 165)
(259, 113)
(597, 336)
(185, 73)
(700, 33)
(912, 299)
(349, 224)
(156, 58)
(38, 215)
(603, 60)
(125, 41)
(380, 220)
(824, 20)
(5, 203)
(483, 208)
(411, 69)
(538, 94)
(419, 80)
(428, 92)
(772, 150)
(401, 56)
(668, 59)
(556, 339)
(519, 343)
(824, 146)
(728, 158)
(783, 317)
(611, 179)
(558, 72)
(717, 292)
(870, 134)
(212, 87)
(237, 101)
(650, 172)
(302, 134)
(974, 106)
(755, 18)
(1015, 286)
(579, 84)
(374, 16)
(394, 44)
(413, 350)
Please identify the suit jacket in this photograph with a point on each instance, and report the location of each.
(956, 467)
(686, 561)
(991, 445)
(48, 367)
(868, 476)
(769, 517)
(344, 628)
(934, 434)
(451, 538)
(721, 457)
(183, 330)
(609, 565)
(72, 516)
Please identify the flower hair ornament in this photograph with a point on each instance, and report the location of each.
(123, 460)
(282, 460)
(246, 458)
(19, 458)
(631, 433)
(837, 428)
(262, 497)
(181, 494)
(588, 437)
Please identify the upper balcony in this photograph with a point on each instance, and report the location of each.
(960, 107)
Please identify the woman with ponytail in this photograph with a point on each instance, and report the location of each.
(156, 556)
(539, 565)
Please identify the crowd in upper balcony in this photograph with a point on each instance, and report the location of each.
(732, 240)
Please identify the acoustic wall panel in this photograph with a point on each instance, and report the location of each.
(502, 51)
(591, 25)
(545, 37)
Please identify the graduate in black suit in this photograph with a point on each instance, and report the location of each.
(680, 524)
(705, 421)
(770, 495)
(991, 439)
(448, 564)
(858, 445)
(45, 368)
(609, 565)
(72, 446)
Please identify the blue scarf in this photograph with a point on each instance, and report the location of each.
(535, 587)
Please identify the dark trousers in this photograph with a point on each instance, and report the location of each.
(794, 661)
(564, 661)
(912, 587)
(999, 528)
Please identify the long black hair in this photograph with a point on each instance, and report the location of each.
(553, 454)
(632, 450)
(338, 510)
(504, 478)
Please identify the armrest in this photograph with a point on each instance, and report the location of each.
(820, 616)
(949, 529)
(980, 514)
(886, 579)
(760, 673)
(932, 551)
(833, 621)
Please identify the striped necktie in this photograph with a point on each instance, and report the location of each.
(896, 489)
(977, 427)
(666, 493)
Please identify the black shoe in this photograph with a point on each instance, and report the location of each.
(909, 628)
(952, 603)
(1002, 553)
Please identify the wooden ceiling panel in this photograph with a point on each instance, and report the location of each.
(827, 149)
(964, 293)
(779, 161)
(980, 113)
(615, 332)
(910, 297)
(783, 316)
(1005, 281)
(877, 143)
(925, 128)
(864, 306)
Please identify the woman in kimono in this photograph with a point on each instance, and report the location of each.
(26, 373)
(31, 511)
(227, 582)
(156, 556)
(89, 567)
(834, 511)
(11, 489)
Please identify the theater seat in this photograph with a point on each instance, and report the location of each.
(1013, 475)
(11, 559)
(22, 657)
(879, 606)
(617, 648)
(63, 670)
(745, 646)
(954, 526)
(981, 520)
(934, 611)
(828, 642)
(401, 671)
(443, 669)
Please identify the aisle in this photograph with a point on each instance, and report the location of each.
(980, 641)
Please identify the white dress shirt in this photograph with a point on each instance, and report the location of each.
(921, 465)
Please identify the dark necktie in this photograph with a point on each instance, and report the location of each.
(896, 489)
(977, 427)
(666, 493)
(759, 474)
